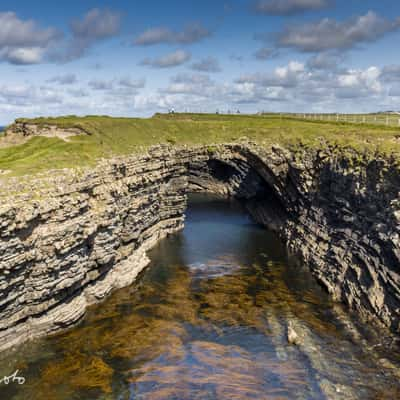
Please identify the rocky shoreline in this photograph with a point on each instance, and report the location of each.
(69, 238)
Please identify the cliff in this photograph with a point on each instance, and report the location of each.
(70, 237)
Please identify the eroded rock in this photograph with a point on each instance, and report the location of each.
(70, 237)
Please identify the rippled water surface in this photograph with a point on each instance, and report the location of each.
(208, 320)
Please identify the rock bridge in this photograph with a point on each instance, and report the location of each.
(71, 237)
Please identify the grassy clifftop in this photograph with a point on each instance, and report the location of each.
(107, 137)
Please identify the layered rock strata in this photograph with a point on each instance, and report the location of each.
(79, 238)
(71, 237)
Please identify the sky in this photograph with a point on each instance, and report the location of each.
(135, 58)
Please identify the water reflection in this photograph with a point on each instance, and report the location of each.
(208, 321)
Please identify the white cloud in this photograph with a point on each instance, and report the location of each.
(285, 76)
(121, 85)
(357, 83)
(23, 41)
(328, 34)
(174, 59)
(26, 95)
(95, 26)
(17, 33)
(192, 33)
(196, 84)
(23, 55)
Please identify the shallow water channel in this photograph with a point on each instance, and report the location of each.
(208, 320)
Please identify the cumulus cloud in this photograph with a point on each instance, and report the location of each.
(174, 59)
(328, 34)
(95, 26)
(357, 83)
(23, 41)
(190, 34)
(286, 76)
(288, 7)
(309, 88)
(67, 79)
(209, 64)
(23, 55)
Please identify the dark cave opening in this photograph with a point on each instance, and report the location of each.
(239, 179)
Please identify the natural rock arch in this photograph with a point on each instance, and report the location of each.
(83, 235)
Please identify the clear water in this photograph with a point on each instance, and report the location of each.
(208, 320)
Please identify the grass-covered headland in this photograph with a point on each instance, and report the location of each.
(107, 137)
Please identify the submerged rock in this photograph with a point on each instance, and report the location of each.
(292, 336)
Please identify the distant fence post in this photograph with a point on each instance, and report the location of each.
(387, 120)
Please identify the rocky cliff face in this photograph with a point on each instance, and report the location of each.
(68, 241)
(341, 215)
(71, 237)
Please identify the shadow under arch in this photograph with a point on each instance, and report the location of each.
(247, 179)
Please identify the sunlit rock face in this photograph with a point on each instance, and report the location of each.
(69, 238)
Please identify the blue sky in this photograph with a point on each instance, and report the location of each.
(136, 58)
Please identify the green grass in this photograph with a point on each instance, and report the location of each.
(107, 137)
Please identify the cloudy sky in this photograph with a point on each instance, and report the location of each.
(139, 57)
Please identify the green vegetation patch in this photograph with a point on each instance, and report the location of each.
(107, 137)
